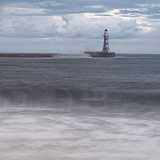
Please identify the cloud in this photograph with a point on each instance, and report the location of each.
(81, 25)
(48, 3)
(151, 11)
(22, 11)
(33, 20)
(34, 26)
(79, 19)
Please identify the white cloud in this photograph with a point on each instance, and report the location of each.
(21, 9)
(82, 25)
(31, 26)
(94, 7)
(148, 5)
(49, 3)
(57, 19)
(144, 24)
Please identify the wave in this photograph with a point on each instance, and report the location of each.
(47, 94)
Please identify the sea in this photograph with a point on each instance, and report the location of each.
(80, 108)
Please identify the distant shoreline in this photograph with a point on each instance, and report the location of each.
(27, 55)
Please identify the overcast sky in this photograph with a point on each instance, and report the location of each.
(72, 26)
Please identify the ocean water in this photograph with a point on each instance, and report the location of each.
(76, 108)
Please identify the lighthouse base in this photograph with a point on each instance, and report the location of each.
(100, 54)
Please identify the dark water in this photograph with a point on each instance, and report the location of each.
(80, 108)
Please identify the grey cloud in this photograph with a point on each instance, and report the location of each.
(128, 8)
(149, 10)
(77, 19)
(66, 18)
(73, 26)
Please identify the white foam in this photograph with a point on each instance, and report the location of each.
(42, 133)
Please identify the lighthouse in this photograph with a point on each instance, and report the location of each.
(105, 50)
(106, 41)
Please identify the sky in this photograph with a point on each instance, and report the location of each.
(73, 26)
